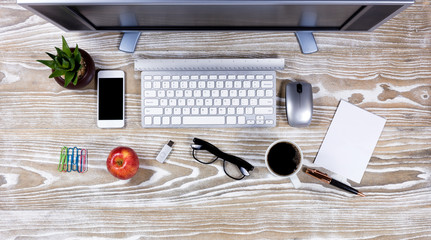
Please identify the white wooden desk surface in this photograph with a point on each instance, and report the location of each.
(387, 72)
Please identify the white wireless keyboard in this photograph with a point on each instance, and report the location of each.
(181, 93)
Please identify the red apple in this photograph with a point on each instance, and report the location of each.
(122, 162)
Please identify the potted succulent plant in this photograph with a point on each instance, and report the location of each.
(71, 65)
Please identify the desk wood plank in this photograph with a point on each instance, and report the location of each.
(387, 72)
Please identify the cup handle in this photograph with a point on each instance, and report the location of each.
(295, 181)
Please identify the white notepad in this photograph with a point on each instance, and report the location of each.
(350, 141)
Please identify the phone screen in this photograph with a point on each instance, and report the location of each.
(110, 98)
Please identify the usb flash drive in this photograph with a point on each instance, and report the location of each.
(163, 154)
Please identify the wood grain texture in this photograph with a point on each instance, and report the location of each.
(387, 72)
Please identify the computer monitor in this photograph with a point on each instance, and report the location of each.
(133, 17)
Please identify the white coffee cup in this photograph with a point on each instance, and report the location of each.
(283, 162)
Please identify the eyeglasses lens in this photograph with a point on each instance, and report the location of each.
(232, 170)
(204, 156)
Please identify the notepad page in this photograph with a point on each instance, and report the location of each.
(350, 141)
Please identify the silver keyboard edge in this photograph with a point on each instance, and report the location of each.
(263, 64)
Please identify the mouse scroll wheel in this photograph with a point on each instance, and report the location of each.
(299, 88)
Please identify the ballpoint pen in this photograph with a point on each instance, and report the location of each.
(325, 178)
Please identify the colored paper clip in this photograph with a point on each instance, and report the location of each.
(83, 166)
(73, 159)
(62, 165)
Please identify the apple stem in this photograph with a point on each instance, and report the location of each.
(119, 162)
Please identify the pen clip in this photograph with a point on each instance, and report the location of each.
(318, 175)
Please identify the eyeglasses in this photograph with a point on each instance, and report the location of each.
(206, 153)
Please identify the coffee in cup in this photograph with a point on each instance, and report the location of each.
(283, 158)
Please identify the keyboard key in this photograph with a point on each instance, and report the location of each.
(161, 93)
(181, 102)
(228, 84)
(192, 120)
(213, 111)
(148, 120)
(153, 111)
(166, 120)
(176, 120)
(263, 110)
(151, 102)
(179, 93)
(267, 84)
(231, 120)
(211, 84)
(147, 85)
(157, 120)
(269, 93)
(170, 93)
(222, 111)
(177, 111)
(199, 102)
(186, 111)
(266, 102)
(255, 84)
(150, 94)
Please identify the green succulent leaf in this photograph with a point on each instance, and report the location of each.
(75, 81)
(66, 48)
(58, 62)
(48, 63)
(68, 78)
(51, 55)
(57, 73)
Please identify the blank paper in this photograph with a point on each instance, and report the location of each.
(350, 141)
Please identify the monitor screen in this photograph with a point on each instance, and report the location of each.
(216, 16)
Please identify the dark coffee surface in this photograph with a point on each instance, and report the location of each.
(283, 158)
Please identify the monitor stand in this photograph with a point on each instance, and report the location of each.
(306, 42)
(129, 41)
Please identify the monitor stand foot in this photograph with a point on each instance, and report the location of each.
(306, 42)
(129, 41)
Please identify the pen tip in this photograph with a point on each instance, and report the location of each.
(361, 194)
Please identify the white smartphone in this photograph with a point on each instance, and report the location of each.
(110, 99)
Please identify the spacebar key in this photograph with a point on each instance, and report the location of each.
(204, 120)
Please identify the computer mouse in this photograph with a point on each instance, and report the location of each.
(299, 104)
